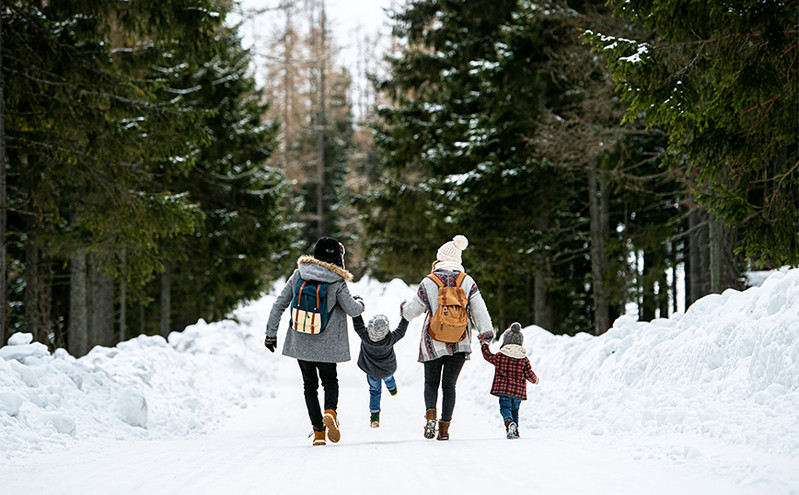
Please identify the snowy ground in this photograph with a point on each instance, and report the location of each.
(705, 403)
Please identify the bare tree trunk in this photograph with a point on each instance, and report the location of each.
(698, 252)
(104, 301)
(166, 287)
(92, 328)
(716, 237)
(723, 274)
(543, 306)
(288, 85)
(123, 293)
(529, 301)
(123, 296)
(675, 258)
(648, 301)
(541, 281)
(100, 306)
(38, 298)
(597, 197)
(663, 293)
(142, 319)
(320, 168)
(3, 218)
(501, 319)
(78, 336)
(34, 290)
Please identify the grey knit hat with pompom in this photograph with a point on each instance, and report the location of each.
(377, 328)
(513, 335)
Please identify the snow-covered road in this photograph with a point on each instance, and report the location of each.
(264, 448)
(703, 403)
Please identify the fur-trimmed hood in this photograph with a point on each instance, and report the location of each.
(313, 269)
(513, 350)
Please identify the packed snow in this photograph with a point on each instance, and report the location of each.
(700, 403)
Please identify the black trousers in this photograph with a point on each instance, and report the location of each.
(443, 371)
(312, 373)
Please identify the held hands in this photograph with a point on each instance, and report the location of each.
(271, 343)
(485, 337)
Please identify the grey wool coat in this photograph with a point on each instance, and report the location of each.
(332, 344)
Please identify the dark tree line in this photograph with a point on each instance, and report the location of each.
(504, 125)
(595, 154)
(138, 195)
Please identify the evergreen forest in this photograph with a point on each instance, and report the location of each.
(602, 157)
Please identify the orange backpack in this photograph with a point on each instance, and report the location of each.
(449, 322)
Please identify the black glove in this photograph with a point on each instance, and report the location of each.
(271, 343)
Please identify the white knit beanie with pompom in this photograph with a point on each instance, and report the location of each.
(450, 252)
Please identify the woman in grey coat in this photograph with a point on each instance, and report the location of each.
(317, 354)
(443, 361)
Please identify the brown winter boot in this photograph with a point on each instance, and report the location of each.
(443, 430)
(319, 437)
(330, 421)
(430, 423)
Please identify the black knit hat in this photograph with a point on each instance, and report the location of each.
(329, 250)
(513, 335)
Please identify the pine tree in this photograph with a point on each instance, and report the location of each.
(103, 133)
(721, 81)
(504, 126)
(242, 241)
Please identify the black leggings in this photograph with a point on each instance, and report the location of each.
(310, 381)
(433, 377)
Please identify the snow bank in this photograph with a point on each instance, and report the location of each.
(727, 369)
(145, 387)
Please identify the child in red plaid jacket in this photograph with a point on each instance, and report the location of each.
(512, 370)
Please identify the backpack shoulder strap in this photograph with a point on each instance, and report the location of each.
(460, 279)
(435, 279)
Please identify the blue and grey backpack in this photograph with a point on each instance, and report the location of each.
(309, 307)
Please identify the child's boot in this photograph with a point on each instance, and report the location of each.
(511, 430)
(375, 420)
(393, 391)
(331, 422)
(318, 437)
(443, 430)
(430, 423)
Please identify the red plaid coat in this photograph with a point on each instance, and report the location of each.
(510, 374)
